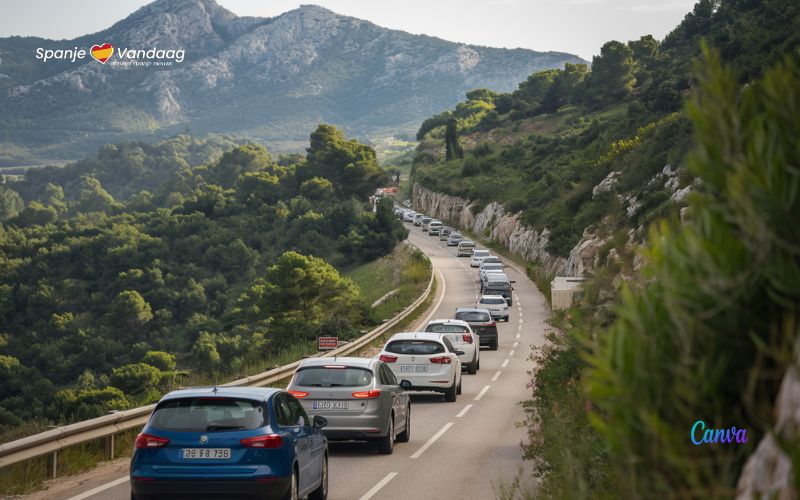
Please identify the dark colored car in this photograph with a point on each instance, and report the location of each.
(220, 442)
(498, 286)
(481, 322)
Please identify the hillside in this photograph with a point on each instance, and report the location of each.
(666, 176)
(266, 79)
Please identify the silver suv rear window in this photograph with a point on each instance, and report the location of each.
(473, 317)
(209, 414)
(419, 347)
(333, 376)
(493, 301)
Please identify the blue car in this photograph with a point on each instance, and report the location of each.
(224, 442)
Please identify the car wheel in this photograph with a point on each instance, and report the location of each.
(478, 366)
(450, 394)
(321, 493)
(291, 493)
(472, 368)
(458, 389)
(405, 436)
(386, 443)
(494, 345)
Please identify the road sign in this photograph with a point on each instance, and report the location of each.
(327, 343)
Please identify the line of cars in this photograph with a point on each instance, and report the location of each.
(215, 442)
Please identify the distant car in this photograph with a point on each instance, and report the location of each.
(462, 338)
(409, 216)
(482, 323)
(208, 442)
(425, 362)
(478, 256)
(445, 233)
(360, 398)
(498, 285)
(492, 259)
(487, 267)
(424, 222)
(454, 239)
(418, 218)
(434, 227)
(496, 304)
(465, 248)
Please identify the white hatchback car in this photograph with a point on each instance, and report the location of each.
(462, 337)
(426, 361)
(496, 304)
(478, 256)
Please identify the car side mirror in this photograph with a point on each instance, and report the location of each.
(513, 281)
(405, 384)
(460, 353)
(320, 421)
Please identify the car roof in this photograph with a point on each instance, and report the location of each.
(259, 393)
(466, 242)
(415, 336)
(496, 297)
(472, 309)
(339, 360)
(459, 322)
(483, 250)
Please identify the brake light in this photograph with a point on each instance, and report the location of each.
(146, 441)
(298, 394)
(441, 360)
(386, 358)
(374, 393)
(268, 441)
(467, 338)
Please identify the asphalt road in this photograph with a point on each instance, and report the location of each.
(463, 450)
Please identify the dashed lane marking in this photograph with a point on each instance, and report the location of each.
(483, 391)
(375, 489)
(515, 344)
(464, 410)
(511, 352)
(432, 440)
(505, 363)
(496, 376)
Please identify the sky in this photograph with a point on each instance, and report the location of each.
(575, 26)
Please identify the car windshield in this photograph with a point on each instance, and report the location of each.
(493, 301)
(333, 376)
(467, 244)
(492, 260)
(208, 414)
(492, 265)
(445, 328)
(419, 347)
(481, 253)
(473, 316)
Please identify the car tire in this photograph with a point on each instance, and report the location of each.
(478, 366)
(494, 345)
(472, 368)
(450, 394)
(321, 493)
(291, 492)
(458, 389)
(386, 443)
(405, 436)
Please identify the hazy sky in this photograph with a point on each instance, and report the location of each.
(575, 26)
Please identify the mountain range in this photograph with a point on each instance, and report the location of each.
(267, 79)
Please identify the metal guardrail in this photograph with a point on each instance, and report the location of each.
(108, 426)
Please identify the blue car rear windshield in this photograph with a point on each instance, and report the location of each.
(420, 347)
(333, 377)
(209, 414)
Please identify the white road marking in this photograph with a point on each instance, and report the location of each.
(496, 376)
(432, 440)
(99, 489)
(383, 482)
(464, 410)
(515, 344)
(438, 302)
(517, 335)
(520, 315)
(511, 352)
(505, 363)
(483, 391)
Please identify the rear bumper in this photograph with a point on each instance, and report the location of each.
(488, 339)
(355, 427)
(200, 488)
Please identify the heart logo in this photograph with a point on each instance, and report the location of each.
(102, 53)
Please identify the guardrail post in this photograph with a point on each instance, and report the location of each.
(110, 441)
(52, 465)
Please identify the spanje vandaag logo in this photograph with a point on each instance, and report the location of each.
(107, 53)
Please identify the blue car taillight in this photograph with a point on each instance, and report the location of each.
(149, 441)
(268, 441)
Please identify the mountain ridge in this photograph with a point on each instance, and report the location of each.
(295, 70)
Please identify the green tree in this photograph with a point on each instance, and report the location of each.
(130, 311)
(452, 145)
(35, 214)
(244, 159)
(93, 198)
(164, 361)
(317, 189)
(612, 75)
(10, 203)
(135, 378)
